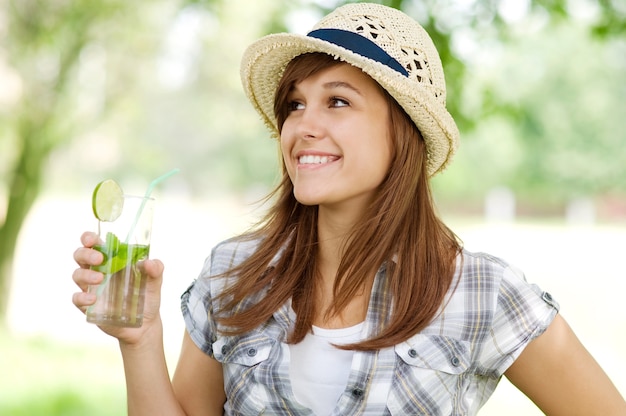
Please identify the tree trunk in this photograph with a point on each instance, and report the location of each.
(23, 190)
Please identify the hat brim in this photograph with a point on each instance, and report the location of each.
(264, 62)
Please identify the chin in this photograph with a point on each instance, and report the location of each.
(307, 200)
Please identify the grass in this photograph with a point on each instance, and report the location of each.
(44, 377)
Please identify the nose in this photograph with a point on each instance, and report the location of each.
(309, 123)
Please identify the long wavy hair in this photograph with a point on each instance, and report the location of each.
(400, 229)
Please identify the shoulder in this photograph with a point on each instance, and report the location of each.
(228, 254)
(487, 270)
(214, 274)
(197, 301)
(474, 260)
(488, 289)
(482, 274)
(503, 276)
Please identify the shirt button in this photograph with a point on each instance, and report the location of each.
(357, 393)
(251, 352)
(412, 353)
(224, 349)
(455, 361)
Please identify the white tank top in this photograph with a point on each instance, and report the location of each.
(318, 371)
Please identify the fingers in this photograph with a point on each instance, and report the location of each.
(85, 277)
(89, 239)
(82, 300)
(86, 257)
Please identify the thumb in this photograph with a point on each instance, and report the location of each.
(154, 271)
(154, 268)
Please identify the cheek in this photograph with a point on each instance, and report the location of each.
(283, 144)
(285, 152)
(380, 146)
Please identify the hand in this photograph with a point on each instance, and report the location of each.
(83, 276)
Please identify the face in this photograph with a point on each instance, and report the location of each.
(335, 139)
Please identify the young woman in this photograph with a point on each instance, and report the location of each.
(352, 297)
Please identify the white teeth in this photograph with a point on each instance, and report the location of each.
(313, 160)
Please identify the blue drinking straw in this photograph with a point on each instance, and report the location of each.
(151, 187)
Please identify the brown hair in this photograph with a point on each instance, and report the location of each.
(400, 229)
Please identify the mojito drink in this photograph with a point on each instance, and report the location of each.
(124, 228)
(120, 296)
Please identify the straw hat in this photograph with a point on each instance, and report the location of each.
(387, 45)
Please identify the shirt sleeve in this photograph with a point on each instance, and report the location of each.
(522, 313)
(196, 307)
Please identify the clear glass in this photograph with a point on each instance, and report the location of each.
(125, 244)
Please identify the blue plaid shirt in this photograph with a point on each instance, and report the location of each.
(449, 368)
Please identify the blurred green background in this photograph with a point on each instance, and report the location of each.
(95, 89)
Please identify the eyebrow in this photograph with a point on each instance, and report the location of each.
(341, 84)
(330, 85)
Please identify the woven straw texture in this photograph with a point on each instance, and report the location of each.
(422, 94)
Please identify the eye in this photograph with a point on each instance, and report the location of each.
(338, 102)
(294, 105)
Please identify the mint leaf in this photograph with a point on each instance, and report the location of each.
(118, 255)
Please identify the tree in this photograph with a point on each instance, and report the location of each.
(72, 66)
(547, 97)
(45, 44)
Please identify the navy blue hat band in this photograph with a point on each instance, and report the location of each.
(360, 45)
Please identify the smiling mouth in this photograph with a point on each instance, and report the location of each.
(315, 160)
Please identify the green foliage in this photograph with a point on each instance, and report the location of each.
(550, 124)
(612, 20)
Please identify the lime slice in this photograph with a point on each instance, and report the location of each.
(107, 200)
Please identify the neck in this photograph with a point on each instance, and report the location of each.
(334, 234)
